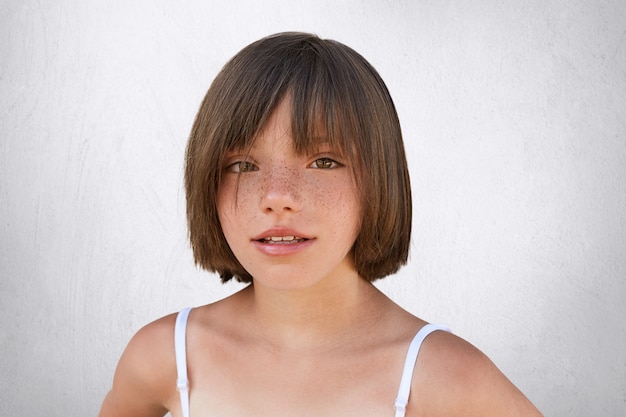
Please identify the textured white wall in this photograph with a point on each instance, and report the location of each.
(514, 115)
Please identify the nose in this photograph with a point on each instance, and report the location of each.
(281, 191)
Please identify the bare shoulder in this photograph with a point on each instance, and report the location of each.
(456, 378)
(145, 377)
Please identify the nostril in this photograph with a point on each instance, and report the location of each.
(271, 209)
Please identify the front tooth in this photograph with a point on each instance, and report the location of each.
(280, 238)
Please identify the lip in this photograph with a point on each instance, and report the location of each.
(281, 249)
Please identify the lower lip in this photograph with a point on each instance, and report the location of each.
(282, 249)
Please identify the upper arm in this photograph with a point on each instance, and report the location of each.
(145, 377)
(468, 383)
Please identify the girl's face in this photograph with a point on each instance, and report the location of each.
(290, 219)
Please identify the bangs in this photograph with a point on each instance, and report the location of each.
(312, 75)
(316, 116)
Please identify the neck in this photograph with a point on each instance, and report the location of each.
(314, 318)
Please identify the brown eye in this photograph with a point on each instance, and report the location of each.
(324, 163)
(242, 166)
(247, 167)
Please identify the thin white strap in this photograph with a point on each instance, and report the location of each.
(409, 365)
(180, 347)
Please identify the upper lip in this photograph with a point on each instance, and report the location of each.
(281, 232)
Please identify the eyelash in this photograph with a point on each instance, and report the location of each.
(247, 166)
(332, 163)
(237, 167)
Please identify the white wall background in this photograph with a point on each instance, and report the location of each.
(514, 115)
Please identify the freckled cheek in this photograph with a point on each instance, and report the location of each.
(334, 196)
(340, 200)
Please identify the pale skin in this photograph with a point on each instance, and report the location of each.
(309, 337)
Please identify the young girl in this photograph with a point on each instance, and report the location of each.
(297, 183)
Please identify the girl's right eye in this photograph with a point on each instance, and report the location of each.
(242, 166)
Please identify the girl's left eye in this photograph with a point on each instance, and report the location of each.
(324, 163)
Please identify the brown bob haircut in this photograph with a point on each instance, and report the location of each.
(330, 86)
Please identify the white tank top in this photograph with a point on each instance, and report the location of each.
(180, 346)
